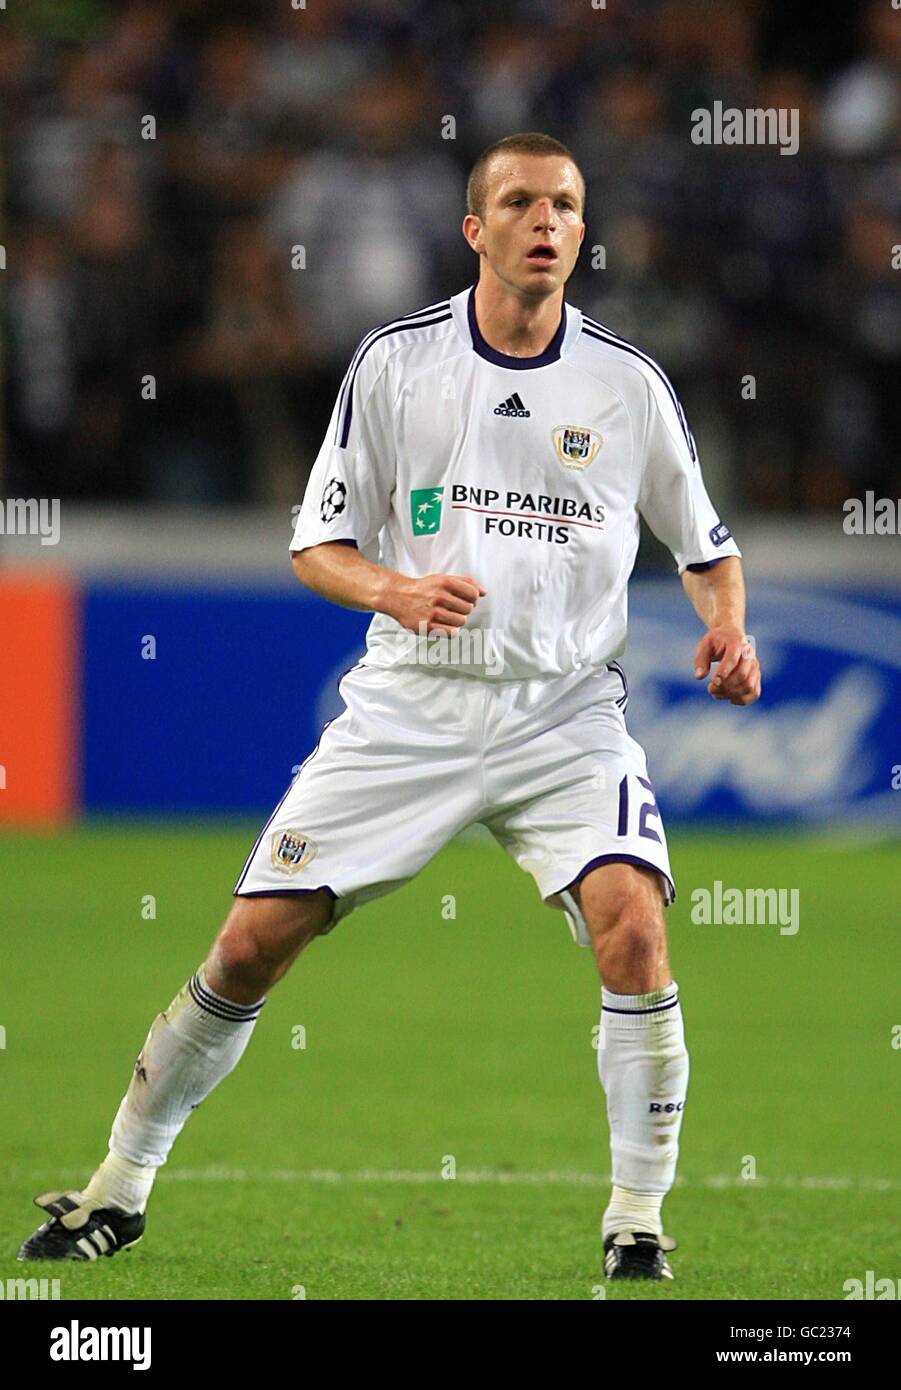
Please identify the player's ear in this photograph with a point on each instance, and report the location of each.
(472, 231)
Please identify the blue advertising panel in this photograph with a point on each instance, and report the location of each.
(202, 700)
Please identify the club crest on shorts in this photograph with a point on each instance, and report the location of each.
(291, 849)
(575, 446)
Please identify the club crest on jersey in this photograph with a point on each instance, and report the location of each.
(291, 849)
(575, 447)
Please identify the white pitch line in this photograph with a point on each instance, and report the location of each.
(488, 1177)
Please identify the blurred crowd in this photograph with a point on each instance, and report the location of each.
(166, 337)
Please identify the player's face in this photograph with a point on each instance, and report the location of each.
(532, 228)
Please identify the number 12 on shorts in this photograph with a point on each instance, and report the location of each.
(646, 806)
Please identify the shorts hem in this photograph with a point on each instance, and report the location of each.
(238, 892)
(342, 904)
(668, 897)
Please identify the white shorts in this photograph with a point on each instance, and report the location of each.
(418, 755)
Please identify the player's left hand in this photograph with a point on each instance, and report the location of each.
(737, 677)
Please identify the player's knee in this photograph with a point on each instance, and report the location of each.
(630, 953)
(638, 932)
(239, 956)
(261, 936)
(625, 903)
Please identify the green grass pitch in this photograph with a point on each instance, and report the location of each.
(317, 1171)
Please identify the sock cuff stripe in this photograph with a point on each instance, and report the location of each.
(220, 1000)
(651, 1008)
(212, 1003)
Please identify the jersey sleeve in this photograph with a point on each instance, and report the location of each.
(672, 497)
(348, 495)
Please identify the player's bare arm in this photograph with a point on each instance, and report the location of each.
(718, 596)
(341, 574)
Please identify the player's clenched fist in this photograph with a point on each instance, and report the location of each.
(737, 678)
(442, 602)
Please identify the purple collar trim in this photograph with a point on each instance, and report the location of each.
(501, 359)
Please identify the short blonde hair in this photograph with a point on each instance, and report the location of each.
(528, 142)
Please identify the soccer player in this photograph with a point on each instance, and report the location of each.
(479, 491)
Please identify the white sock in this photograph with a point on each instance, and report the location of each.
(632, 1211)
(643, 1066)
(191, 1046)
(122, 1184)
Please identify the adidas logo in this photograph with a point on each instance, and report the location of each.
(513, 406)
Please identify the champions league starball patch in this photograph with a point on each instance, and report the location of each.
(334, 496)
(575, 446)
(291, 850)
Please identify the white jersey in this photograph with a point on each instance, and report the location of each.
(529, 474)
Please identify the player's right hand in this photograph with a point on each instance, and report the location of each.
(442, 602)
